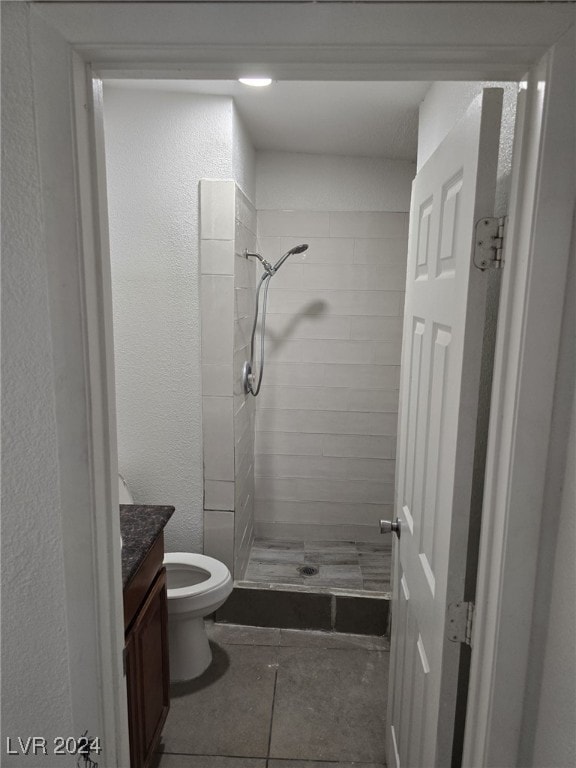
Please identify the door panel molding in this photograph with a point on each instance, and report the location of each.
(444, 319)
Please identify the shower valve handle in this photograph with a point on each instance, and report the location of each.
(390, 526)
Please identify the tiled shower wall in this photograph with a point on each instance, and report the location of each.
(228, 226)
(326, 416)
(244, 405)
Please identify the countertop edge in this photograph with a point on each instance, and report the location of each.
(140, 526)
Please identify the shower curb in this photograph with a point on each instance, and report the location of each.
(285, 607)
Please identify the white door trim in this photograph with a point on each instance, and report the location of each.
(311, 41)
(124, 39)
(101, 403)
(526, 358)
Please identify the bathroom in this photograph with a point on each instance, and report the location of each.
(301, 475)
(61, 555)
(329, 396)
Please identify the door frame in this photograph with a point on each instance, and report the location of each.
(524, 382)
(100, 43)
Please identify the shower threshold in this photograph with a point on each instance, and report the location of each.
(312, 589)
(289, 606)
(341, 586)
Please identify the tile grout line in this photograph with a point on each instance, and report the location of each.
(272, 708)
(314, 760)
(259, 757)
(312, 647)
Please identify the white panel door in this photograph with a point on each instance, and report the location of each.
(442, 348)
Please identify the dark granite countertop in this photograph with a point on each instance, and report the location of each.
(140, 525)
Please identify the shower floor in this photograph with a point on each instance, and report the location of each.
(347, 565)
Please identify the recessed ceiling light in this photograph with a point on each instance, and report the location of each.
(255, 82)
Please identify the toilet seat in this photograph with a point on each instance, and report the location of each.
(193, 596)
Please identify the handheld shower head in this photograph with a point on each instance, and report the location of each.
(297, 249)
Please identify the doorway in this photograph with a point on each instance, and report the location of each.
(366, 257)
(326, 428)
(326, 418)
(423, 34)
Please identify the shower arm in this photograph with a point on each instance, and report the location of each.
(266, 264)
(271, 270)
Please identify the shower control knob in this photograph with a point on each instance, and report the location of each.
(390, 526)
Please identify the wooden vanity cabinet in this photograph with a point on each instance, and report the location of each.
(146, 656)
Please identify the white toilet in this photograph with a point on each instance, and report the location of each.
(197, 586)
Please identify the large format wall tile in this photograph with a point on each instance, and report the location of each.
(366, 224)
(218, 438)
(335, 468)
(326, 418)
(217, 209)
(228, 230)
(244, 405)
(219, 535)
(217, 257)
(328, 513)
(217, 318)
(294, 223)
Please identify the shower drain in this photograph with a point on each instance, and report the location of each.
(307, 570)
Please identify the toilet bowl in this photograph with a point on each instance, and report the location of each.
(197, 586)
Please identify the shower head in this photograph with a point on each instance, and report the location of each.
(297, 249)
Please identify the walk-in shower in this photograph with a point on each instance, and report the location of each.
(269, 271)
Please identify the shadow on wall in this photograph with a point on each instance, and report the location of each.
(312, 309)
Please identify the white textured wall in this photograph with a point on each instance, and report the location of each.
(555, 735)
(304, 182)
(36, 695)
(445, 103)
(243, 157)
(159, 145)
(549, 737)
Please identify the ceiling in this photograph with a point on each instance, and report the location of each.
(374, 119)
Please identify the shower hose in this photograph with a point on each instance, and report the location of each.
(270, 271)
(264, 281)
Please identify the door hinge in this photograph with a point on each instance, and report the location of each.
(489, 243)
(460, 619)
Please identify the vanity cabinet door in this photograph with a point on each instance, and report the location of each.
(133, 697)
(148, 674)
